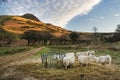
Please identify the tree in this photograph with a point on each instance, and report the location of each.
(63, 39)
(95, 33)
(11, 37)
(116, 36)
(45, 36)
(118, 29)
(6, 38)
(32, 36)
(74, 36)
(95, 29)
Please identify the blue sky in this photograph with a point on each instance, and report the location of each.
(105, 16)
(75, 15)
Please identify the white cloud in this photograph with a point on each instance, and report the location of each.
(96, 18)
(101, 17)
(93, 19)
(58, 12)
(116, 15)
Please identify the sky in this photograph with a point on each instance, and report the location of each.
(74, 15)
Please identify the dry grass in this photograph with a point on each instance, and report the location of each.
(15, 24)
(95, 72)
(32, 69)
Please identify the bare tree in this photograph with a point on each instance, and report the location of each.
(95, 29)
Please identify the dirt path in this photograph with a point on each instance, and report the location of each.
(6, 60)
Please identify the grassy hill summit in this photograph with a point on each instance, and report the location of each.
(30, 16)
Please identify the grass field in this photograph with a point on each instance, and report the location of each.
(36, 71)
(93, 72)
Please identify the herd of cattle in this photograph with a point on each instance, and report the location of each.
(85, 58)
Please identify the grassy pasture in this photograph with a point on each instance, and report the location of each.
(93, 72)
(76, 73)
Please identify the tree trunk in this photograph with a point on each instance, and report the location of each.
(45, 41)
(28, 42)
(33, 43)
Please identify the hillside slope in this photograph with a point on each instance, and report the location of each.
(20, 24)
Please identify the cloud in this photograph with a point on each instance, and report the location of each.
(116, 15)
(93, 19)
(101, 17)
(57, 12)
(96, 18)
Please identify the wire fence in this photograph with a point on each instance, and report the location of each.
(53, 60)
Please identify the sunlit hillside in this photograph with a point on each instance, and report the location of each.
(19, 24)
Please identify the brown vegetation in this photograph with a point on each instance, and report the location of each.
(15, 24)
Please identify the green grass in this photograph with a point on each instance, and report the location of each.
(43, 51)
(62, 50)
(51, 50)
(12, 50)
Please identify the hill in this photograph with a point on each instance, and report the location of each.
(30, 16)
(20, 24)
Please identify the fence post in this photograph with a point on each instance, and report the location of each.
(46, 63)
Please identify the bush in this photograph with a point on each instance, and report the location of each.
(6, 38)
